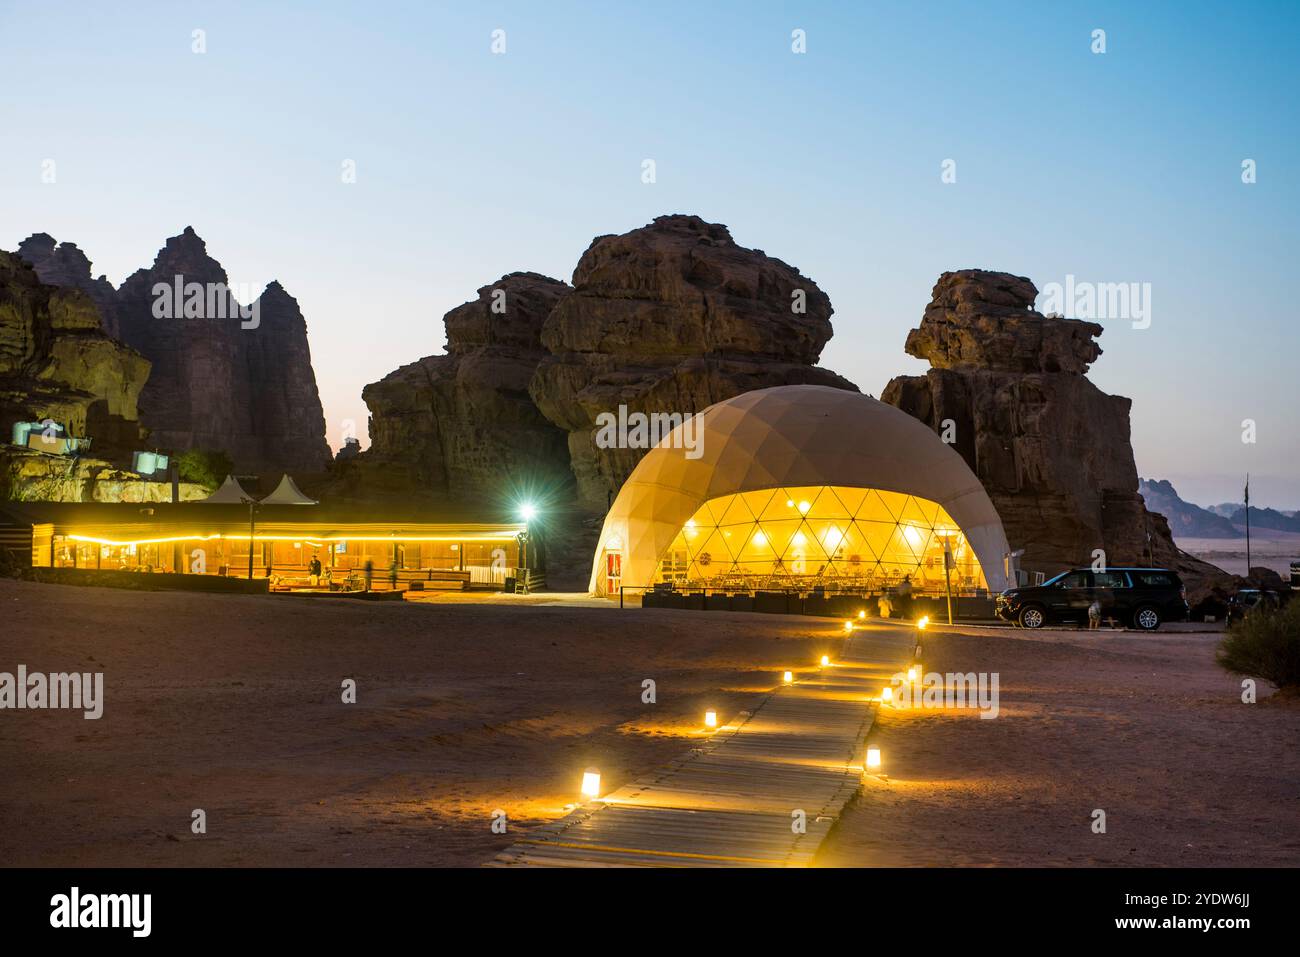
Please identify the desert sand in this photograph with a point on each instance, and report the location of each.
(1143, 727)
(233, 705)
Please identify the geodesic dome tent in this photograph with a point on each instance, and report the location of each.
(798, 486)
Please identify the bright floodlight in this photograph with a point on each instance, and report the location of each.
(913, 673)
(922, 622)
(862, 614)
(826, 660)
(848, 626)
(710, 718)
(788, 677)
(591, 782)
(887, 694)
(873, 757)
(528, 510)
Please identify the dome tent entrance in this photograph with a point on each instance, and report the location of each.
(801, 485)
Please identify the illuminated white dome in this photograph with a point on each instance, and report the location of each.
(801, 437)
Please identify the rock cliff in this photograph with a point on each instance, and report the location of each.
(220, 379)
(56, 362)
(462, 425)
(1053, 451)
(671, 318)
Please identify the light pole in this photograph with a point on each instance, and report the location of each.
(252, 509)
(947, 576)
(528, 512)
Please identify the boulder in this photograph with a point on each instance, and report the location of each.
(1053, 451)
(986, 320)
(671, 318)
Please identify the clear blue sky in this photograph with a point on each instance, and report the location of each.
(1116, 167)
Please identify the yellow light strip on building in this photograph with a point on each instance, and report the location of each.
(502, 537)
(141, 541)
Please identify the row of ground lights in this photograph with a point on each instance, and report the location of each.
(591, 776)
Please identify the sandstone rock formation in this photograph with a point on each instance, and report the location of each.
(34, 477)
(672, 317)
(1052, 450)
(250, 392)
(56, 362)
(63, 264)
(462, 425)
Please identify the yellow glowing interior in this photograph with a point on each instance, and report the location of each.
(833, 535)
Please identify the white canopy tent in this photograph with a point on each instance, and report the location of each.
(288, 493)
(788, 437)
(230, 493)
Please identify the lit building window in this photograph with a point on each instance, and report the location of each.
(831, 535)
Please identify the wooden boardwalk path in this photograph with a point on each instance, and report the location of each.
(730, 802)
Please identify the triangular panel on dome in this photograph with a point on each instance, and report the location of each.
(711, 512)
(880, 538)
(737, 512)
(781, 533)
(850, 498)
(914, 514)
(889, 503)
(780, 507)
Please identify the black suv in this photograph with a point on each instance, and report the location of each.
(1248, 600)
(1141, 597)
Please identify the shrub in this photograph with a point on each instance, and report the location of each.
(1265, 644)
(207, 467)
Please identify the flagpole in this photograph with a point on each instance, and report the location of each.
(1247, 524)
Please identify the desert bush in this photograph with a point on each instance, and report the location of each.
(1265, 644)
(207, 467)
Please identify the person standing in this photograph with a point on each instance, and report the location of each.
(313, 569)
(905, 596)
(1094, 615)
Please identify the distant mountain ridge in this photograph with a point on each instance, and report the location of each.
(1185, 519)
(1225, 520)
(1269, 518)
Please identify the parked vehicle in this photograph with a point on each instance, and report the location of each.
(1246, 600)
(1140, 597)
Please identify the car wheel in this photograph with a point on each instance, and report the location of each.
(1031, 616)
(1146, 618)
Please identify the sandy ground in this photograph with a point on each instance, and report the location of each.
(232, 704)
(1146, 728)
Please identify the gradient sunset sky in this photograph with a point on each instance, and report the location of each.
(1118, 167)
